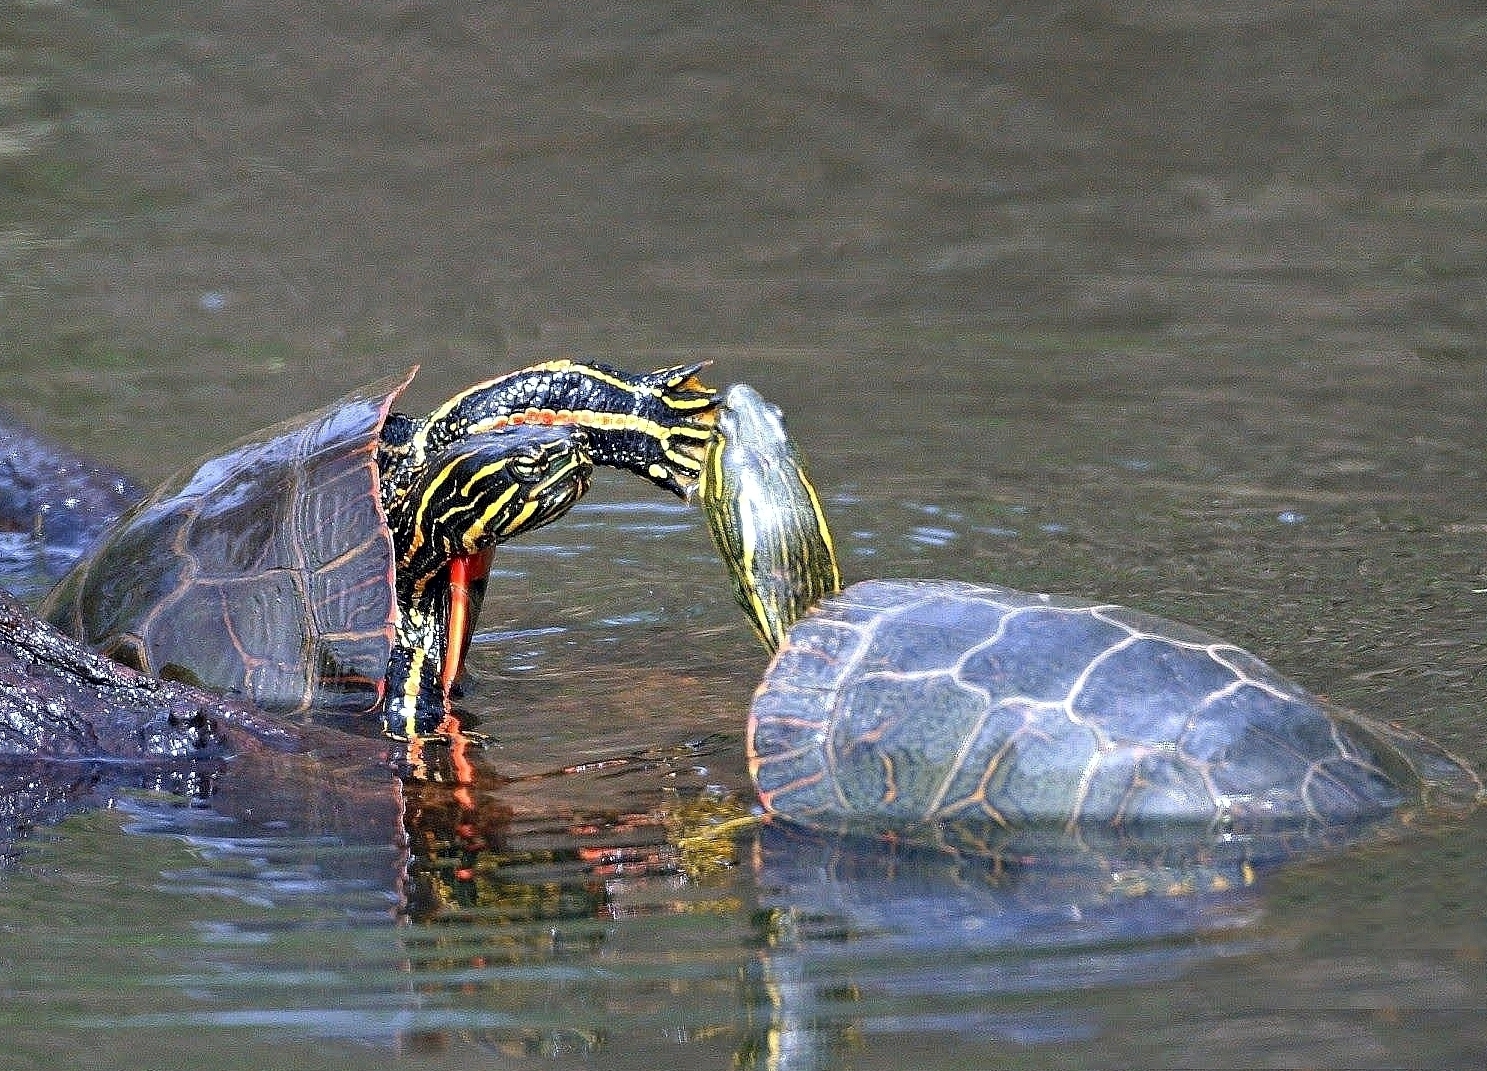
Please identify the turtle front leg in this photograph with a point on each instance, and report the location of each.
(416, 703)
(428, 655)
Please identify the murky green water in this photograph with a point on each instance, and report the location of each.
(1175, 305)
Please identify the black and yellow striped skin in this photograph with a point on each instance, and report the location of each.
(501, 458)
(482, 492)
(655, 425)
(765, 516)
(475, 494)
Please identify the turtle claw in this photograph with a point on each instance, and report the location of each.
(468, 738)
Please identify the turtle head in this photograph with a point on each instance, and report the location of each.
(765, 516)
(503, 483)
(483, 490)
(547, 471)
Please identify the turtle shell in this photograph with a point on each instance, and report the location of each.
(904, 702)
(265, 572)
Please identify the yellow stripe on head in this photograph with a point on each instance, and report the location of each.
(471, 534)
(820, 529)
(765, 516)
(519, 521)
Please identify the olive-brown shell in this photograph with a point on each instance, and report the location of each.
(264, 572)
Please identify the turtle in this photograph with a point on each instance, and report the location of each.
(337, 560)
(903, 704)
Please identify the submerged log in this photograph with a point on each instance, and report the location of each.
(60, 700)
(65, 500)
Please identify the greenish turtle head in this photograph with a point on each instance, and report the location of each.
(765, 516)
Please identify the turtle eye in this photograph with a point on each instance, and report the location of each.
(526, 466)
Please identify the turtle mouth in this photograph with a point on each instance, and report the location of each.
(559, 494)
(680, 481)
(564, 499)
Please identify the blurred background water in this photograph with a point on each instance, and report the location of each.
(1177, 305)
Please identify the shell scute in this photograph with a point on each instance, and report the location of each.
(154, 577)
(235, 542)
(795, 783)
(1342, 786)
(902, 738)
(344, 596)
(920, 636)
(820, 656)
(1013, 661)
(1035, 780)
(988, 755)
(330, 515)
(246, 618)
(803, 727)
(1153, 788)
(1145, 690)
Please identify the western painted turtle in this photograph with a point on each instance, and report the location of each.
(904, 702)
(337, 560)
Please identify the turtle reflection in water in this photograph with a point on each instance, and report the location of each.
(1016, 720)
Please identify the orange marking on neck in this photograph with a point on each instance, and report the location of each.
(589, 418)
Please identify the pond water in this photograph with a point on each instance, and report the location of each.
(1176, 305)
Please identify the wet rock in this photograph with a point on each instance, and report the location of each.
(62, 498)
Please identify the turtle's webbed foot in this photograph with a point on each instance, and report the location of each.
(686, 410)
